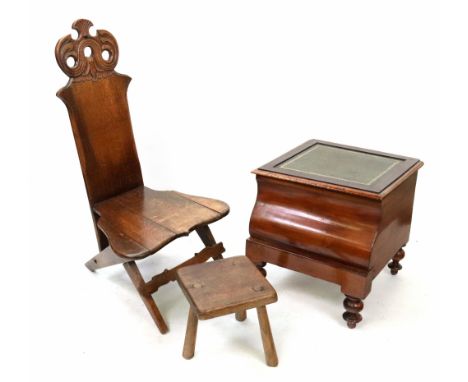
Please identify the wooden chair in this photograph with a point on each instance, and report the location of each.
(131, 221)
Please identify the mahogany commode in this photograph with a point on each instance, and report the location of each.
(335, 212)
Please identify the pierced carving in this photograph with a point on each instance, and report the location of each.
(99, 59)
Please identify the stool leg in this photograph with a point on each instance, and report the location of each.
(241, 316)
(267, 339)
(190, 335)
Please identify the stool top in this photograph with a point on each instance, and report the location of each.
(225, 286)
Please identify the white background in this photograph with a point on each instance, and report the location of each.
(219, 88)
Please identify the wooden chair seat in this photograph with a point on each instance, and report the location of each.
(141, 221)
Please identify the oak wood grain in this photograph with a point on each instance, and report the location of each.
(141, 221)
(225, 286)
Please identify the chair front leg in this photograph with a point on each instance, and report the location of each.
(140, 285)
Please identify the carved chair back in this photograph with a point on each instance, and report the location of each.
(96, 99)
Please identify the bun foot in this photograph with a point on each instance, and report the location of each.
(353, 306)
(395, 265)
(261, 267)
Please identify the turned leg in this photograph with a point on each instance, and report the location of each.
(241, 316)
(395, 265)
(140, 285)
(190, 335)
(267, 339)
(353, 306)
(208, 239)
(261, 267)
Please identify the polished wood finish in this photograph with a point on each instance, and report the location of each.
(353, 281)
(352, 306)
(342, 235)
(227, 286)
(395, 265)
(85, 67)
(141, 221)
(131, 221)
(261, 267)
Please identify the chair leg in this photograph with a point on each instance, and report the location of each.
(208, 239)
(190, 335)
(267, 339)
(241, 316)
(140, 285)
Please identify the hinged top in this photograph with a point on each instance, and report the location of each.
(344, 168)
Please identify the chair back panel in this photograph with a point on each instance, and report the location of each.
(96, 99)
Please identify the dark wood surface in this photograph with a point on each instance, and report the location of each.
(395, 265)
(223, 287)
(377, 187)
(352, 307)
(342, 235)
(131, 221)
(103, 134)
(141, 221)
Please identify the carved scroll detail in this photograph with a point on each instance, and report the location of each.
(85, 68)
